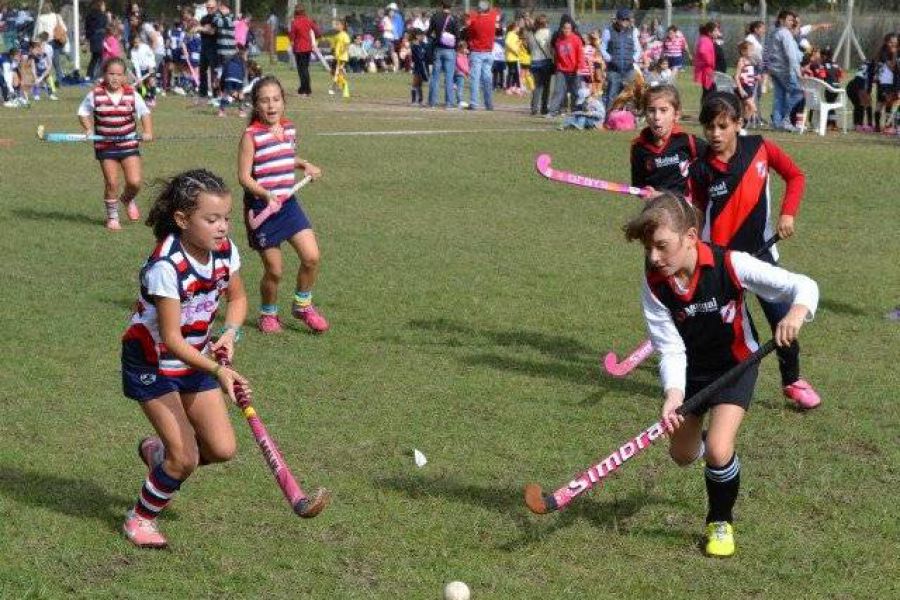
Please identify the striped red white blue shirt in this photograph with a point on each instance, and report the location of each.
(274, 157)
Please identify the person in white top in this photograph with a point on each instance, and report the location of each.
(50, 22)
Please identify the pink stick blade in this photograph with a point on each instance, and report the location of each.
(621, 369)
(275, 460)
(603, 469)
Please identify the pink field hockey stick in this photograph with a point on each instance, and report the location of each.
(542, 163)
(539, 503)
(187, 59)
(641, 353)
(257, 219)
(299, 501)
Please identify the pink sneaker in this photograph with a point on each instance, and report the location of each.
(151, 451)
(143, 533)
(802, 394)
(113, 224)
(311, 317)
(133, 211)
(269, 324)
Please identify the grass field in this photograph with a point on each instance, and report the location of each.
(470, 302)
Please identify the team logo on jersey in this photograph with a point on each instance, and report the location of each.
(718, 190)
(761, 168)
(697, 308)
(148, 378)
(729, 312)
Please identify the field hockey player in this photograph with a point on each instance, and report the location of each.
(266, 163)
(693, 302)
(730, 184)
(660, 155)
(166, 351)
(112, 109)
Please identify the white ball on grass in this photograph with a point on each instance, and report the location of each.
(456, 590)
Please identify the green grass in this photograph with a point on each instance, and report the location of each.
(470, 301)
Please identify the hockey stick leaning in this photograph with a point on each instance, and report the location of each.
(299, 501)
(641, 353)
(540, 503)
(256, 220)
(542, 163)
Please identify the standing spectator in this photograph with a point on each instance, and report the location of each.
(209, 58)
(569, 55)
(674, 48)
(462, 72)
(481, 27)
(420, 20)
(538, 39)
(389, 36)
(784, 69)
(51, 23)
(620, 48)
(226, 43)
(399, 23)
(719, 49)
(756, 33)
(705, 60)
(95, 22)
(443, 33)
(270, 35)
(302, 30)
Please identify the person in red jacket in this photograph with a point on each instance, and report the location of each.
(480, 28)
(568, 56)
(302, 31)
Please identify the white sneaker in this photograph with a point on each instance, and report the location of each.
(179, 91)
(464, 104)
(11, 103)
(54, 97)
(330, 92)
(37, 98)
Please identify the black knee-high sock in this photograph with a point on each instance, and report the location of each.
(722, 484)
(877, 120)
(869, 114)
(789, 363)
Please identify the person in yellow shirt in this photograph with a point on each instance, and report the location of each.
(512, 44)
(340, 45)
(526, 81)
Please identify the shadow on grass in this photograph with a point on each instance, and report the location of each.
(607, 515)
(842, 308)
(80, 498)
(55, 215)
(566, 358)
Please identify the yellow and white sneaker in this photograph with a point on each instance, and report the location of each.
(719, 539)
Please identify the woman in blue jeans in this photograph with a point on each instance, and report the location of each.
(784, 69)
(538, 38)
(443, 32)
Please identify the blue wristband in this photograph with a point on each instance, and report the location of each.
(238, 332)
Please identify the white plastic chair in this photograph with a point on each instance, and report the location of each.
(723, 82)
(814, 95)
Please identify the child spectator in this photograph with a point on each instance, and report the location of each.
(660, 73)
(462, 72)
(674, 47)
(111, 46)
(234, 73)
(143, 62)
(589, 111)
(358, 55)
(499, 68)
(859, 91)
(511, 44)
(419, 53)
(747, 78)
(43, 72)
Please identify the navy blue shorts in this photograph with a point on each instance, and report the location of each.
(279, 227)
(675, 61)
(142, 381)
(230, 87)
(739, 392)
(116, 154)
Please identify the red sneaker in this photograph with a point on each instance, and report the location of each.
(143, 533)
(311, 317)
(802, 394)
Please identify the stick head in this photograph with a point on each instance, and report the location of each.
(40, 132)
(309, 508)
(537, 502)
(542, 164)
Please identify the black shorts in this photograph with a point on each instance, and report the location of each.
(739, 392)
(886, 92)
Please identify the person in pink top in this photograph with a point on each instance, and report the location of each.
(111, 46)
(705, 60)
(302, 30)
(462, 72)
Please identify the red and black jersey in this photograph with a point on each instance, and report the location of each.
(735, 195)
(664, 167)
(710, 315)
